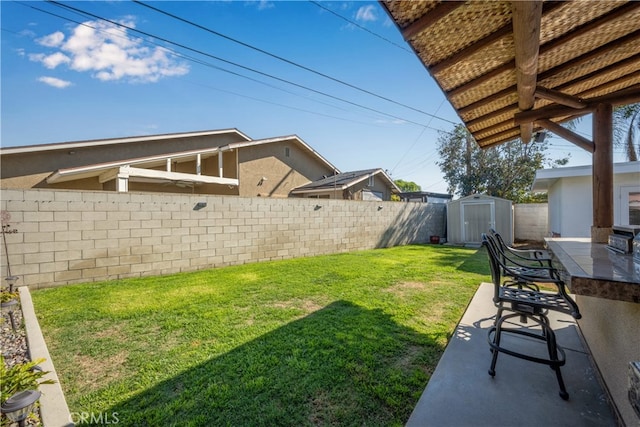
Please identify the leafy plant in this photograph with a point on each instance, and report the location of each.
(20, 377)
(6, 296)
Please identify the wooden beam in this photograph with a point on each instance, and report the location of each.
(480, 133)
(560, 109)
(558, 42)
(504, 136)
(560, 98)
(602, 173)
(545, 75)
(593, 54)
(483, 78)
(591, 25)
(470, 50)
(601, 72)
(526, 16)
(626, 96)
(504, 31)
(616, 82)
(428, 19)
(622, 100)
(493, 142)
(526, 35)
(484, 101)
(513, 108)
(512, 136)
(565, 133)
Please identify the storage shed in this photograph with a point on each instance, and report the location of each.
(469, 217)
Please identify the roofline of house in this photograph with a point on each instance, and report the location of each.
(359, 178)
(61, 173)
(545, 177)
(114, 141)
(295, 138)
(426, 193)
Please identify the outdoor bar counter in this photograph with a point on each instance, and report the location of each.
(606, 286)
(590, 269)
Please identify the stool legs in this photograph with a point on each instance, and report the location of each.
(556, 358)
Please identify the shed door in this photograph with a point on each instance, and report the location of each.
(477, 218)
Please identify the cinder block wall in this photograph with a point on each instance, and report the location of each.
(530, 221)
(70, 237)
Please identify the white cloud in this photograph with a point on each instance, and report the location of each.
(366, 13)
(55, 82)
(50, 61)
(109, 53)
(261, 4)
(52, 40)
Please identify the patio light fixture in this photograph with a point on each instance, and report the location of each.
(11, 281)
(317, 207)
(200, 205)
(539, 136)
(18, 407)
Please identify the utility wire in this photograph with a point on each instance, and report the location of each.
(208, 64)
(295, 64)
(65, 6)
(355, 24)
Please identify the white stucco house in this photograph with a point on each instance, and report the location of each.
(570, 196)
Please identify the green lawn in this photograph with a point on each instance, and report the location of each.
(348, 339)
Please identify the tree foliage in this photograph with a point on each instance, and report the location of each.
(626, 128)
(407, 186)
(505, 171)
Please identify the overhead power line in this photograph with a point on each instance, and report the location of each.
(355, 24)
(207, 64)
(295, 64)
(200, 52)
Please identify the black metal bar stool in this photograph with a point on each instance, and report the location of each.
(519, 295)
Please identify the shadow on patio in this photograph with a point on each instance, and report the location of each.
(461, 392)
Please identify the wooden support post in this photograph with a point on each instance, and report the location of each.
(526, 35)
(602, 173)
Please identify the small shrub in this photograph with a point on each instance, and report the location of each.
(20, 377)
(6, 296)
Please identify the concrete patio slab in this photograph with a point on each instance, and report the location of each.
(462, 393)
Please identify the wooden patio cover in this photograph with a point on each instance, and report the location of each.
(512, 68)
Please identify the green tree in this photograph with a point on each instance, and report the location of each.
(626, 128)
(407, 186)
(506, 170)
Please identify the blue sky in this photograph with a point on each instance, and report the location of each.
(62, 81)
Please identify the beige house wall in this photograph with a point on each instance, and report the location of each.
(67, 236)
(28, 170)
(282, 173)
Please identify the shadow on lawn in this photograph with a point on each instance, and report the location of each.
(343, 364)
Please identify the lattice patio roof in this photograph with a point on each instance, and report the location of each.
(511, 68)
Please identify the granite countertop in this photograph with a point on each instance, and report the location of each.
(593, 270)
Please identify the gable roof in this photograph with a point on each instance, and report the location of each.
(98, 169)
(546, 177)
(116, 141)
(292, 138)
(512, 67)
(344, 180)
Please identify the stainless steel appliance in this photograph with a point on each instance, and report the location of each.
(622, 238)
